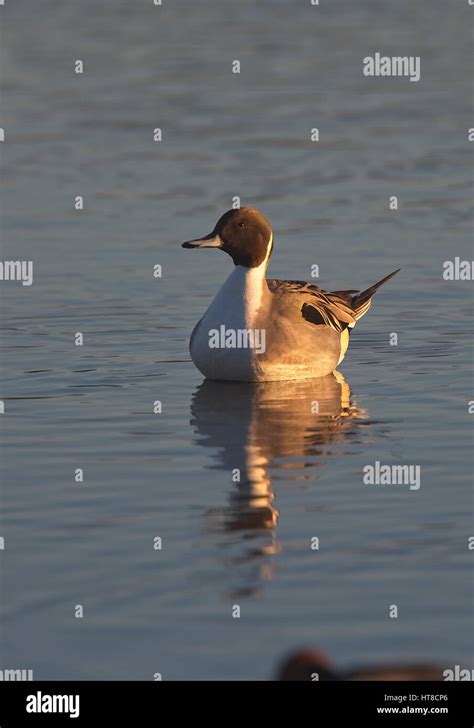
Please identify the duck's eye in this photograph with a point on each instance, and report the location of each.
(241, 224)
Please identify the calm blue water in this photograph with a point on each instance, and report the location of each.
(169, 475)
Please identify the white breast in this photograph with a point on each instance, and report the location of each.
(236, 307)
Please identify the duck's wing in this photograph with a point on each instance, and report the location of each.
(338, 309)
(318, 306)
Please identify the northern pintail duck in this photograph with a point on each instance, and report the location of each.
(259, 329)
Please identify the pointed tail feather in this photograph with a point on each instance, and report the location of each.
(361, 302)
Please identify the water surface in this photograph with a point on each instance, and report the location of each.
(172, 475)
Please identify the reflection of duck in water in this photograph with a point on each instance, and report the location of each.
(266, 426)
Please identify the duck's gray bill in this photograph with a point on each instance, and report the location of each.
(210, 241)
